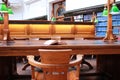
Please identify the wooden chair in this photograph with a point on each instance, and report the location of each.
(55, 65)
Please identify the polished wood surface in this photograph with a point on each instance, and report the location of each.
(25, 47)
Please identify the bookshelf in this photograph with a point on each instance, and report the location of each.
(87, 17)
(78, 18)
(101, 26)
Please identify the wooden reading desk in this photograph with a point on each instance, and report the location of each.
(107, 59)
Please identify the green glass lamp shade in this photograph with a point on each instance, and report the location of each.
(105, 12)
(1, 18)
(96, 20)
(114, 9)
(53, 19)
(3, 7)
(10, 11)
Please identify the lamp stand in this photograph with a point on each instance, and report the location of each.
(109, 34)
(6, 31)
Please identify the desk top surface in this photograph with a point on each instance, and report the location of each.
(68, 44)
(26, 47)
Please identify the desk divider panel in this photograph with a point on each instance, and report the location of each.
(18, 30)
(64, 30)
(84, 31)
(46, 29)
(40, 30)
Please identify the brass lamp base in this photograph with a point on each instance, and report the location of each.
(6, 36)
(110, 38)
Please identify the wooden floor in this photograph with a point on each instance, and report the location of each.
(86, 73)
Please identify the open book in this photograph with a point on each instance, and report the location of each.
(53, 42)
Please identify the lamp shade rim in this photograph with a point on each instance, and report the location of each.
(4, 11)
(113, 13)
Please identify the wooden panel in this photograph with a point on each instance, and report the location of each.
(63, 30)
(18, 30)
(8, 67)
(110, 65)
(40, 30)
(84, 30)
(46, 29)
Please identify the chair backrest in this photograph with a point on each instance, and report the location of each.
(57, 63)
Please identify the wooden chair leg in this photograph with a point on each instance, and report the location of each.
(85, 62)
(33, 73)
(27, 64)
(24, 68)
